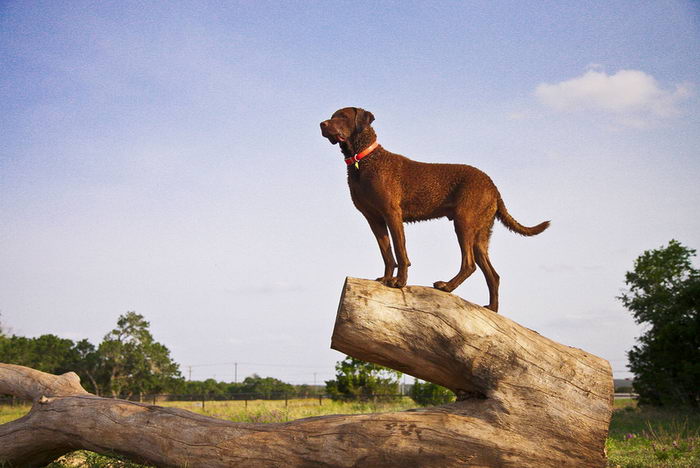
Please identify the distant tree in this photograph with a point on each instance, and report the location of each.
(305, 391)
(54, 354)
(355, 378)
(47, 353)
(134, 362)
(90, 366)
(664, 295)
(233, 387)
(428, 393)
(17, 350)
(209, 387)
(267, 386)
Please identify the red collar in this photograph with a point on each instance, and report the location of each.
(366, 152)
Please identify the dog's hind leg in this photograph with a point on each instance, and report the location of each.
(465, 236)
(481, 254)
(378, 226)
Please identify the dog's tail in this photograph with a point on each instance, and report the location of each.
(510, 222)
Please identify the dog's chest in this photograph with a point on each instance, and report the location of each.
(369, 186)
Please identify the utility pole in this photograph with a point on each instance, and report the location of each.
(235, 372)
(190, 368)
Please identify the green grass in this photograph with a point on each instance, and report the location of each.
(639, 438)
(653, 437)
(85, 459)
(10, 413)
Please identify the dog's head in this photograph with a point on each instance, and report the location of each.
(345, 124)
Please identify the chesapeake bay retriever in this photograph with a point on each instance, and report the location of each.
(390, 189)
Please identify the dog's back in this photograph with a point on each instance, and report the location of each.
(425, 190)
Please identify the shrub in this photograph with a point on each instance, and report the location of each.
(428, 393)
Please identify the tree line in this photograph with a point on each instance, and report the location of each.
(128, 363)
(359, 380)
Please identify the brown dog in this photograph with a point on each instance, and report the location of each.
(390, 189)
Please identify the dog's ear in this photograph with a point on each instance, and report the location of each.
(362, 119)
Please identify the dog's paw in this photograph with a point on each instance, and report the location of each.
(385, 280)
(398, 282)
(442, 286)
(393, 282)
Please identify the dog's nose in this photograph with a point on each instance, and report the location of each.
(324, 124)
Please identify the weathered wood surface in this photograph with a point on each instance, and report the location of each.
(526, 401)
(546, 404)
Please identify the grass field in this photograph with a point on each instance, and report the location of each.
(650, 437)
(639, 438)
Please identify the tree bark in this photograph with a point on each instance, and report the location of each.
(524, 401)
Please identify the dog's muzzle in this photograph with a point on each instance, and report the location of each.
(333, 135)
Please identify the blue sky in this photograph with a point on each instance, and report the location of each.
(165, 157)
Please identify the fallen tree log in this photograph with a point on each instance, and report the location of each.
(523, 401)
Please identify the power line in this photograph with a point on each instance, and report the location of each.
(253, 364)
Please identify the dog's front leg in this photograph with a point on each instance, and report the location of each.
(378, 226)
(394, 221)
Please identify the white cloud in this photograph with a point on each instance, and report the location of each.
(632, 96)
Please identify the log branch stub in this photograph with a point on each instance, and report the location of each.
(526, 401)
(29, 384)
